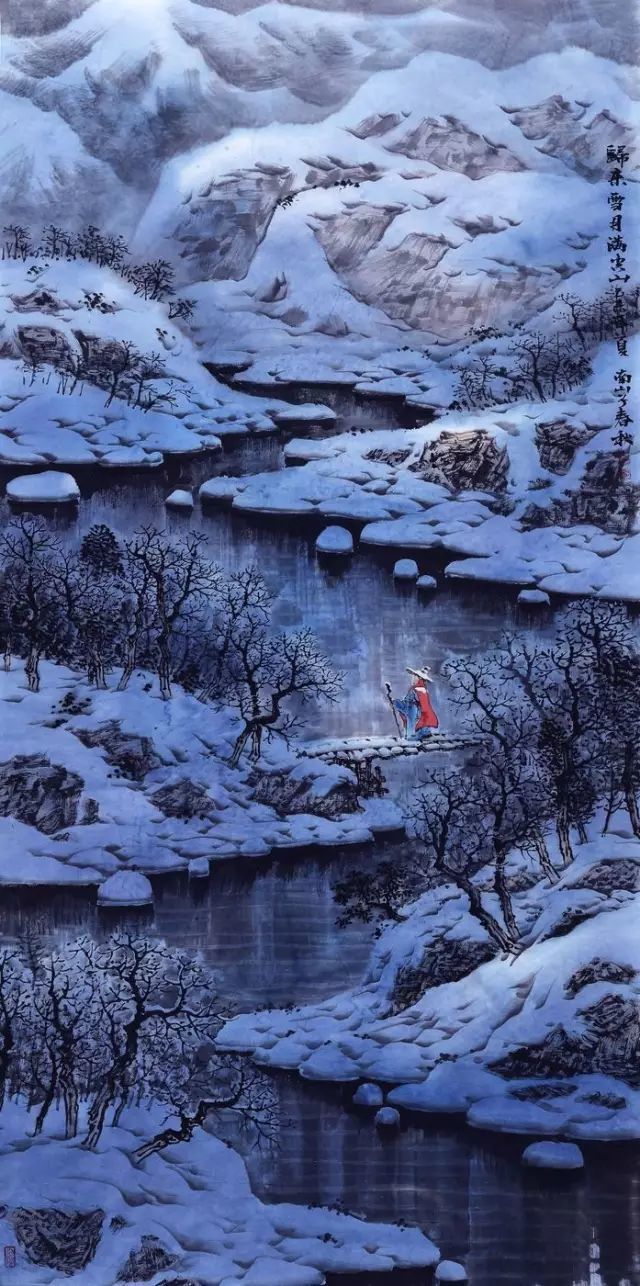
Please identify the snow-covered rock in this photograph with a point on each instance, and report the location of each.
(427, 584)
(534, 598)
(48, 488)
(179, 499)
(553, 1156)
(387, 1118)
(312, 412)
(406, 569)
(368, 1095)
(126, 888)
(198, 868)
(335, 540)
(450, 1271)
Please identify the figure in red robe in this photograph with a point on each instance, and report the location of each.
(415, 709)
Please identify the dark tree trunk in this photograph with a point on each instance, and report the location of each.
(564, 840)
(96, 670)
(129, 664)
(32, 669)
(498, 935)
(504, 897)
(241, 742)
(630, 795)
(164, 668)
(544, 858)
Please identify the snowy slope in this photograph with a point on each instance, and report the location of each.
(543, 1043)
(123, 817)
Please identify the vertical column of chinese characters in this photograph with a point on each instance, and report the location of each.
(618, 277)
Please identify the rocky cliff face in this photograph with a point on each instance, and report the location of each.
(231, 141)
(39, 793)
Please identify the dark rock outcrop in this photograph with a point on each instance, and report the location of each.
(390, 456)
(468, 461)
(557, 442)
(445, 960)
(599, 971)
(37, 301)
(609, 875)
(184, 798)
(58, 1239)
(605, 499)
(143, 1264)
(134, 756)
(558, 128)
(43, 344)
(39, 793)
(299, 794)
(609, 1043)
(451, 145)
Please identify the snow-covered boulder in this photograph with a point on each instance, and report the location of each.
(368, 1095)
(449, 1271)
(427, 584)
(126, 888)
(309, 412)
(335, 540)
(388, 1118)
(405, 569)
(221, 491)
(179, 499)
(133, 457)
(534, 598)
(49, 488)
(198, 868)
(553, 1156)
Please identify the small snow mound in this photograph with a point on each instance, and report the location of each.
(553, 1156)
(313, 412)
(179, 500)
(427, 584)
(198, 868)
(534, 598)
(223, 490)
(449, 1271)
(368, 1095)
(387, 1118)
(335, 540)
(50, 488)
(405, 569)
(126, 888)
(131, 458)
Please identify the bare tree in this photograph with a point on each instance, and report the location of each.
(30, 555)
(171, 580)
(449, 819)
(269, 671)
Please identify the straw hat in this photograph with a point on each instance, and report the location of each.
(424, 674)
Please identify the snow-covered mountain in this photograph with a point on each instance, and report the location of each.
(321, 173)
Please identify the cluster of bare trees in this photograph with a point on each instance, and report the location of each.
(153, 279)
(117, 366)
(536, 366)
(94, 1027)
(158, 604)
(560, 727)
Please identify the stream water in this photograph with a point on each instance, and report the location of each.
(269, 928)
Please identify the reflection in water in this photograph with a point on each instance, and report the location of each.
(268, 929)
(510, 1227)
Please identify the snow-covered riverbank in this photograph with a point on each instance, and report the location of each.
(97, 1217)
(510, 495)
(102, 783)
(541, 1043)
